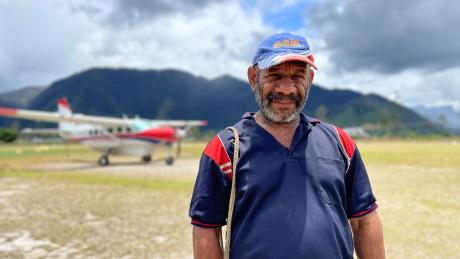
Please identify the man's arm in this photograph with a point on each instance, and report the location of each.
(368, 236)
(206, 243)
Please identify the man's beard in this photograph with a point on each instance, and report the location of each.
(270, 114)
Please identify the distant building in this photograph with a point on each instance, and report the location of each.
(29, 135)
(356, 132)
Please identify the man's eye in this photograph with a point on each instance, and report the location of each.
(299, 77)
(273, 77)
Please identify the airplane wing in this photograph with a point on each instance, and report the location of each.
(90, 119)
(179, 123)
(56, 117)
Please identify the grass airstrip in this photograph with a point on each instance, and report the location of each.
(56, 202)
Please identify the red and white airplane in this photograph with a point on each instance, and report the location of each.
(109, 135)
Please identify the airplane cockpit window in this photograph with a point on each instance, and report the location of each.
(120, 129)
(110, 130)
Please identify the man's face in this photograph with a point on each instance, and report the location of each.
(282, 90)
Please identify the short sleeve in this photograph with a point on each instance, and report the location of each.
(360, 199)
(210, 198)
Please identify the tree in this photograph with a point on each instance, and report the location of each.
(442, 120)
(8, 135)
(165, 108)
(321, 112)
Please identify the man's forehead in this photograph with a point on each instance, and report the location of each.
(297, 64)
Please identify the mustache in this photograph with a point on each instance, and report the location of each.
(282, 97)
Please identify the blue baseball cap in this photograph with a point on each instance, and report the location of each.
(282, 47)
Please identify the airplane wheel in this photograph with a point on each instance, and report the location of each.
(103, 161)
(146, 158)
(170, 160)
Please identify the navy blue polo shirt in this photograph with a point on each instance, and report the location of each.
(290, 203)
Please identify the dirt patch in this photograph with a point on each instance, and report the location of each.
(41, 218)
(183, 168)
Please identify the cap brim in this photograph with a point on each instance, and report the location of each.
(276, 59)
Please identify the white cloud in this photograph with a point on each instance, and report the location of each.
(274, 5)
(59, 40)
(221, 40)
(36, 43)
(390, 36)
(44, 41)
(405, 49)
(410, 87)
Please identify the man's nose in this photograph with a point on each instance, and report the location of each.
(286, 86)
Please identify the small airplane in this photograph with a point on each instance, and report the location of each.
(109, 135)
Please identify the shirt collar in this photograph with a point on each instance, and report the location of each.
(303, 119)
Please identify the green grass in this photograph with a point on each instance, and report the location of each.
(42, 150)
(104, 179)
(15, 161)
(416, 184)
(193, 149)
(14, 157)
(433, 153)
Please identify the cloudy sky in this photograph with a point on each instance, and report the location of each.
(408, 51)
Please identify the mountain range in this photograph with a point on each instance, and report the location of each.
(444, 115)
(20, 98)
(173, 94)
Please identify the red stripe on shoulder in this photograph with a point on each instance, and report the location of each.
(216, 151)
(347, 142)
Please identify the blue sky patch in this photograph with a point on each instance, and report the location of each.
(290, 17)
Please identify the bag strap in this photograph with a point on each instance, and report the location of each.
(335, 133)
(228, 232)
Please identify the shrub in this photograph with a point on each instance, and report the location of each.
(8, 135)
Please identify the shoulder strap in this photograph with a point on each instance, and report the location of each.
(333, 130)
(231, 204)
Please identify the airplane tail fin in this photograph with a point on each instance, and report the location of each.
(65, 110)
(64, 106)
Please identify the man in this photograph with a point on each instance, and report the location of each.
(299, 181)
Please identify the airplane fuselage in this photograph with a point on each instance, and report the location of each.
(109, 135)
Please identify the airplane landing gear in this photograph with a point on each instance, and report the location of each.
(146, 158)
(170, 160)
(103, 160)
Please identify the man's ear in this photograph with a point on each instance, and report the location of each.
(311, 76)
(252, 77)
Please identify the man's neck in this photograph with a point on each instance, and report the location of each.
(262, 120)
(283, 132)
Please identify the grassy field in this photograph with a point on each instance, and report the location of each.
(54, 201)
(417, 187)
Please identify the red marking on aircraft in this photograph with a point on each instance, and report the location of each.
(7, 111)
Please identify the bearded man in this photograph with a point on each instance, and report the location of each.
(302, 190)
